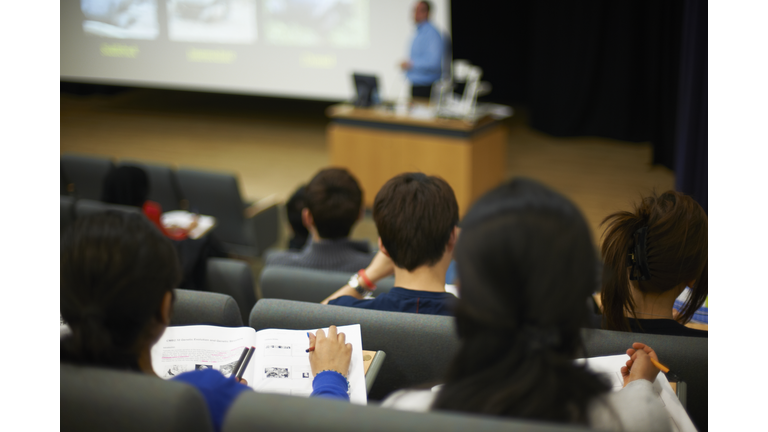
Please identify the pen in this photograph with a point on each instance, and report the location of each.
(239, 362)
(245, 362)
(659, 365)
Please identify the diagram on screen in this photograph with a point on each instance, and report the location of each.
(120, 19)
(316, 23)
(214, 21)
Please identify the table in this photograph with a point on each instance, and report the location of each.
(375, 144)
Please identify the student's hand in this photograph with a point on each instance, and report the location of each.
(406, 65)
(331, 352)
(639, 365)
(242, 380)
(380, 267)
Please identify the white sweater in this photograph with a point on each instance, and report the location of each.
(636, 407)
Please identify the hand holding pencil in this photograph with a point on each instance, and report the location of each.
(329, 352)
(642, 364)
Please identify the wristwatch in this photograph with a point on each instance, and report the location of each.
(360, 282)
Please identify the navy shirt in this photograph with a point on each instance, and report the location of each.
(664, 327)
(404, 300)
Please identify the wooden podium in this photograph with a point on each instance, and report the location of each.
(375, 144)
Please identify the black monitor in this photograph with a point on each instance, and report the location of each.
(367, 87)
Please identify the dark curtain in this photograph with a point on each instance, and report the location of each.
(602, 68)
(691, 163)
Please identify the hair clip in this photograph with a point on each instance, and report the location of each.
(638, 256)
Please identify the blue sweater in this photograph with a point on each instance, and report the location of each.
(220, 392)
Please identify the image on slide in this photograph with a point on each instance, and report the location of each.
(120, 19)
(316, 23)
(215, 21)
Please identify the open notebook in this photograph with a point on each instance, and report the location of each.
(279, 364)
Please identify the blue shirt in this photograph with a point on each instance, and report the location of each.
(218, 391)
(426, 55)
(404, 300)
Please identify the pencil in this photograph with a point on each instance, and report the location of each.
(245, 362)
(310, 349)
(659, 365)
(239, 362)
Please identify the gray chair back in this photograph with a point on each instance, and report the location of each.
(262, 230)
(163, 186)
(218, 195)
(278, 413)
(419, 348)
(85, 207)
(233, 278)
(95, 399)
(686, 357)
(86, 173)
(67, 212)
(198, 307)
(307, 285)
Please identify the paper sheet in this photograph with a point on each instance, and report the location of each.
(183, 219)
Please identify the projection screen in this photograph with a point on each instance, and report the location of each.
(287, 48)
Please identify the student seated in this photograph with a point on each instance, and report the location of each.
(526, 264)
(129, 185)
(294, 208)
(334, 203)
(651, 255)
(416, 217)
(118, 273)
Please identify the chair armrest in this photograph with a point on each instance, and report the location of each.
(252, 209)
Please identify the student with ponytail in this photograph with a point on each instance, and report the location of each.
(650, 256)
(526, 264)
(118, 273)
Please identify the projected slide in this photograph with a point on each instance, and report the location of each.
(216, 21)
(121, 19)
(288, 48)
(339, 23)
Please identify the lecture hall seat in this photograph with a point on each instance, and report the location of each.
(245, 230)
(233, 278)
(163, 186)
(85, 174)
(97, 399)
(308, 285)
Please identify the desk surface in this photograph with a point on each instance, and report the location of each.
(384, 115)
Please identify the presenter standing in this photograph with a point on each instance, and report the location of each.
(425, 64)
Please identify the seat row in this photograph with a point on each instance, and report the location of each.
(245, 228)
(418, 351)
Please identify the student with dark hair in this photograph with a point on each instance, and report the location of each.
(129, 185)
(118, 273)
(333, 203)
(293, 210)
(416, 217)
(526, 264)
(651, 255)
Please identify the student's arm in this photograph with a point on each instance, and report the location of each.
(380, 267)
